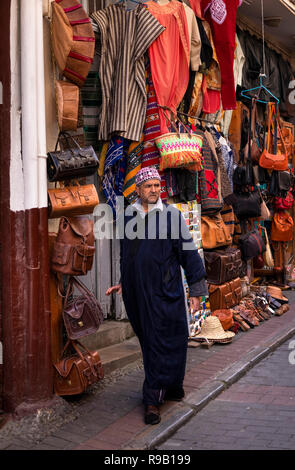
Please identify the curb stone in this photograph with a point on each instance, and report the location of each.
(195, 401)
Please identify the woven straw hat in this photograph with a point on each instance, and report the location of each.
(212, 331)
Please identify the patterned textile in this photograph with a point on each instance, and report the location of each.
(133, 166)
(114, 170)
(150, 155)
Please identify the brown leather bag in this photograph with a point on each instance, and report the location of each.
(67, 104)
(223, 265)
(82, 314)
(226, 295)
(74, 374)
(268, 160)
(214, 232)
(282, 227)
(74, 248)
(225, 317)
(72, 200)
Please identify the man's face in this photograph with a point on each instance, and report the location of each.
(149, 191)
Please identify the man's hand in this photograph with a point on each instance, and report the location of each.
(117, 289)
(194, 304)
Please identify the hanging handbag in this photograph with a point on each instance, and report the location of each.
(179, 149)
(82, 315)
(251, 244)
(67, 105)
(282, 227)
(282, 204)
(248, 205)
(267, 255)
(72, 200)
(214, 232)
(74, 374)
(74, 247)
(71, 162)
(268, 160)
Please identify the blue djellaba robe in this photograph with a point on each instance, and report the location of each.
(153, 293)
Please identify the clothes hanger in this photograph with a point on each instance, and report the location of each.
(261, 75)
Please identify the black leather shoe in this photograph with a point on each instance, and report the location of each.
(174, 394)
(152, 415)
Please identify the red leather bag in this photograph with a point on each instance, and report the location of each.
(226, 318)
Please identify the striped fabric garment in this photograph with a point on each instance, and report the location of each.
(124, 38)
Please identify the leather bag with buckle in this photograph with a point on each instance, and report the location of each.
(74, 248)
(72, 200)
(82, 314)
(74, 374)
(226, 295)
(223, 265)
(214, 232)
(71, 162)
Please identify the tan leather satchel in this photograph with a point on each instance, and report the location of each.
(214, 232)
(74, 374)
(74, 247)
(67, 104)
(72, 200)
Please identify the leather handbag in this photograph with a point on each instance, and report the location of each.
(251, 244)
(285, 180)
(214, 232)
(74, 248)
(275, 161)
(247, 205)
(226, 295)
(72, 200)
(282, 227)
(223, 265)
(71, 162)
(82, 315)
(281, 203)
(74, 374)
(225, 317)
(67, 105)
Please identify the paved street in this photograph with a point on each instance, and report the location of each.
(257, 412)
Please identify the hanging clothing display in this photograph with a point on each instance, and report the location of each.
(221, 15)
(170, 56)
(125, 36)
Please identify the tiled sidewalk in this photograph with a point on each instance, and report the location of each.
(112, 418)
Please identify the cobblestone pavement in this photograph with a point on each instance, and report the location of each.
(257, 412)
